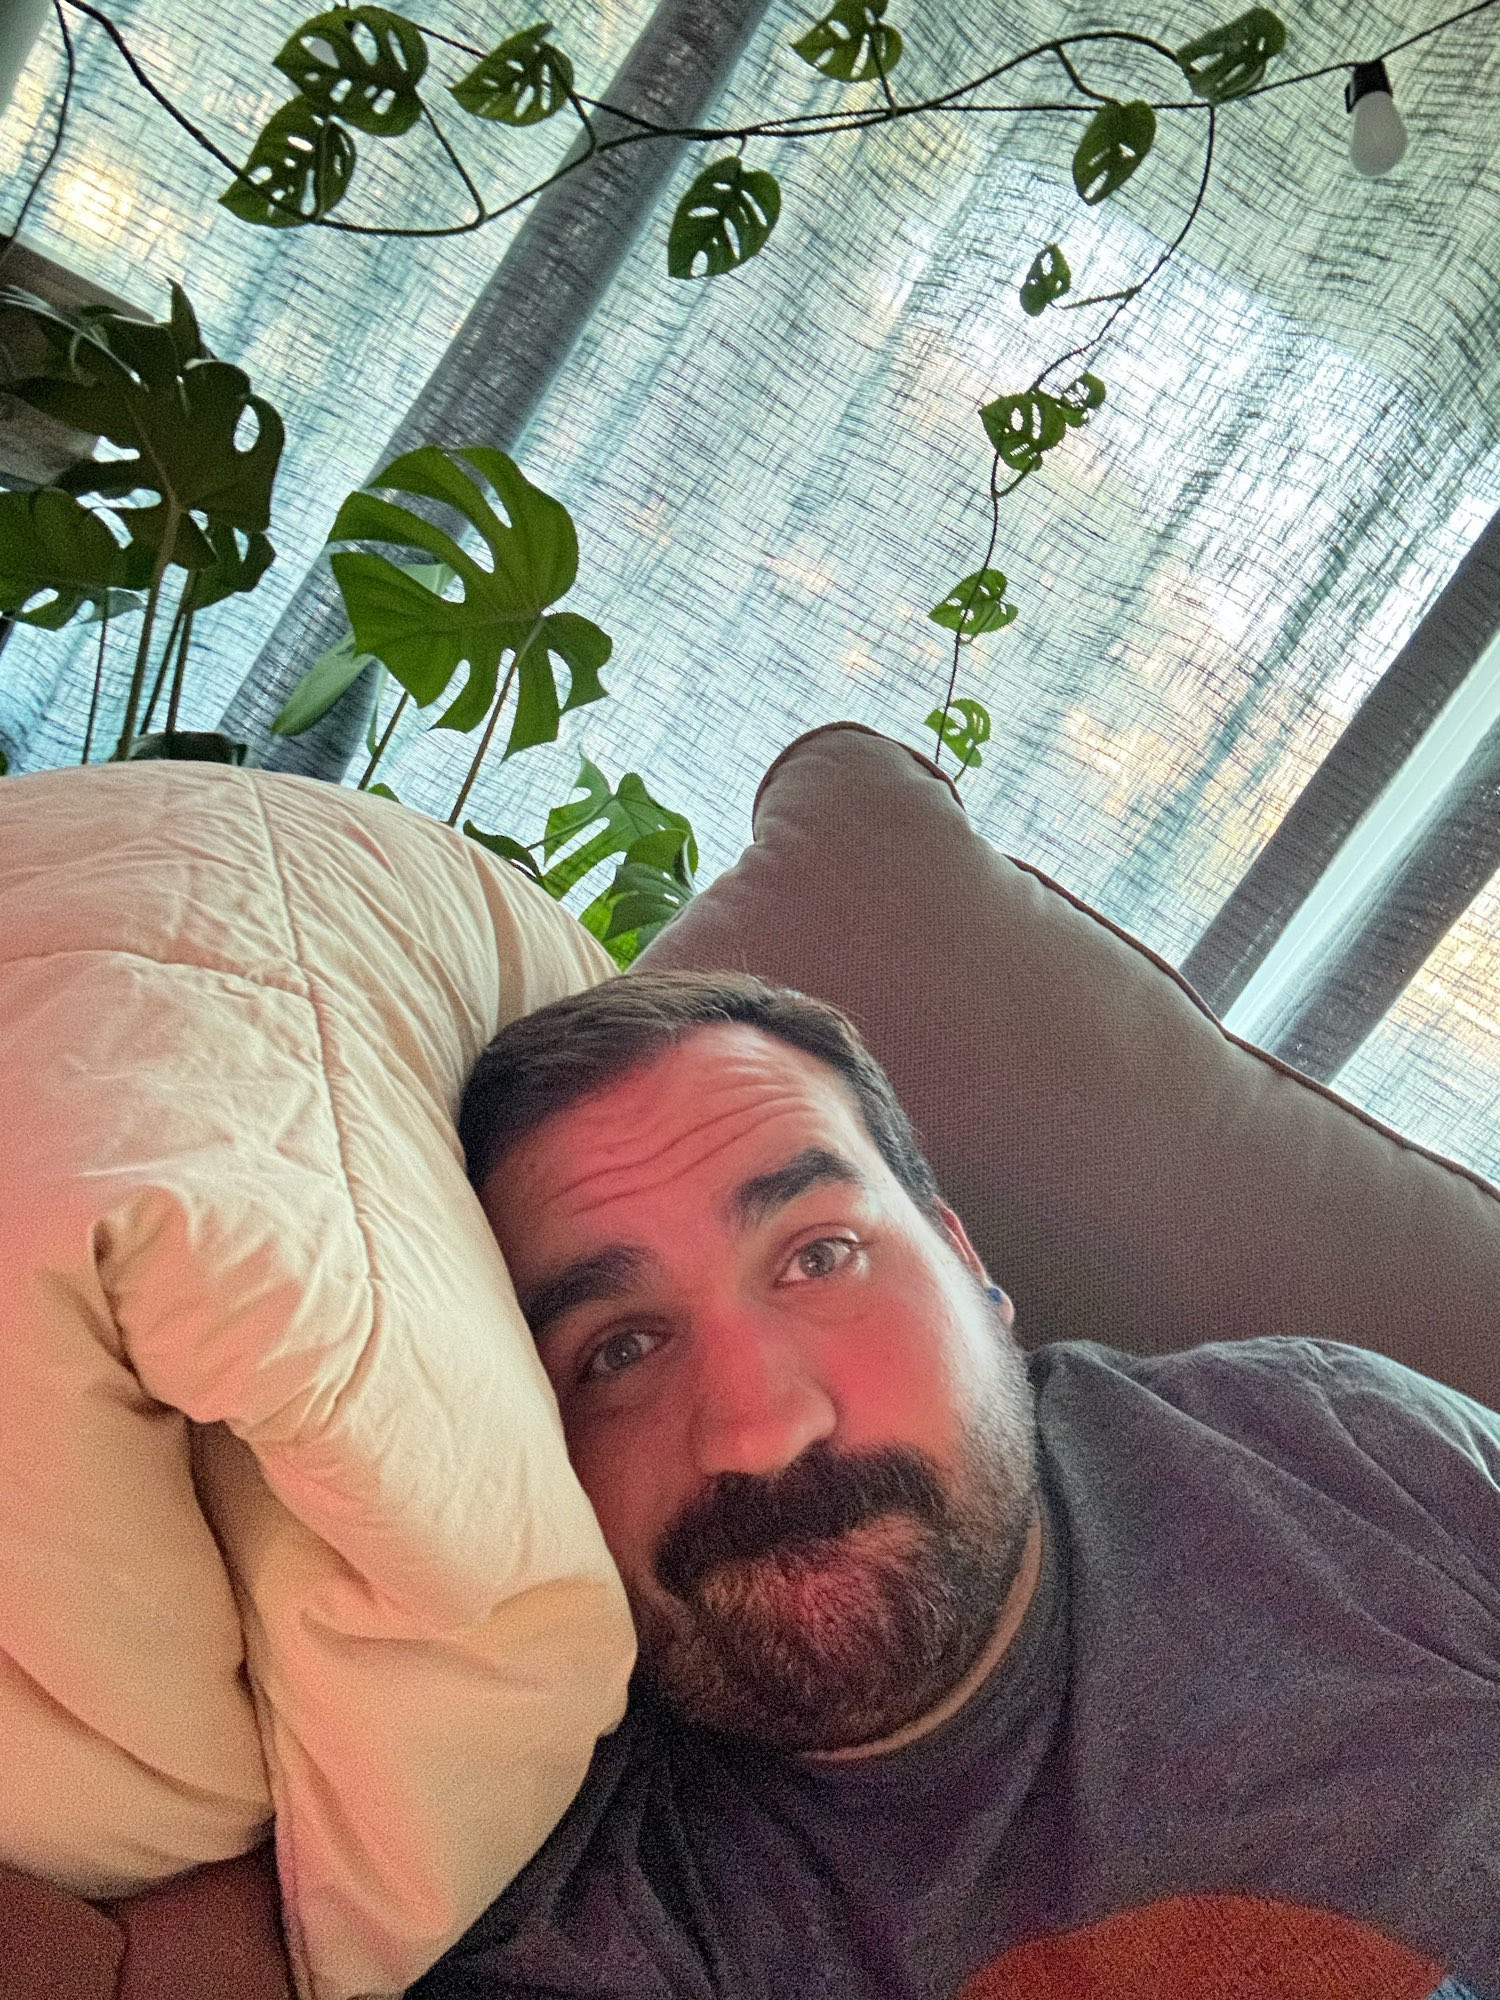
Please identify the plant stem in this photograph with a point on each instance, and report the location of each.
(1060, 51)
(143, 650)
(1088, 346)
(885, 82)
(165, 661)
(88, 734)
(588, 124)
(463, 173)
(489, 730)
(380, 747)
(181, 667)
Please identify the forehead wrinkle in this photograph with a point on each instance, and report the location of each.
(711, 1134)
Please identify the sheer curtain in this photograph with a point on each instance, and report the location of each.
(776, 473)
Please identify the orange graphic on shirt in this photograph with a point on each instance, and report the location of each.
(1211, 1948)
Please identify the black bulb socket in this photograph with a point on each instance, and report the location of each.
(1364, 81)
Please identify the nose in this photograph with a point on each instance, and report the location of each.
(757, 1403)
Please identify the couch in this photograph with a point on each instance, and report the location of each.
(1130, 1172)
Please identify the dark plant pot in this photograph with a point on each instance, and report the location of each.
(192, 746)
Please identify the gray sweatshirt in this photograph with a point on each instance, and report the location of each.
(1246, 1740)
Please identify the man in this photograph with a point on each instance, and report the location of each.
(962, 1671)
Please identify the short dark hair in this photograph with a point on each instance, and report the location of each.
(543, 1063)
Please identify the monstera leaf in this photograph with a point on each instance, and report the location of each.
(1022, 428)
(654, 880)
(1115, 141)
(976, 605)
(360, 64)
(851, 43)
(424, 637)
(624, 816)
(1230, 60)
(507, 849)
(1079, 400)
(725, 217)
(964, 732)
(653, 884)
(174, 412)
(521, 82)
(341, 666)
(56, 555)
(239, 563)
(1048, 279)
(298, 170)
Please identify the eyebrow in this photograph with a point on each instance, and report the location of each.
(607, 1274)
(618, 1268)
(759, 1197)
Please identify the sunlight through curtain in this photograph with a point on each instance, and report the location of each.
(775, 474)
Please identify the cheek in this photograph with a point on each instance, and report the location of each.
(912, 1363)
(891, 1378)
(623, 1476)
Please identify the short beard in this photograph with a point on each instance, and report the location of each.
(846, 1598)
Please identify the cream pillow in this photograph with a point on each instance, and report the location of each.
(251, 1306)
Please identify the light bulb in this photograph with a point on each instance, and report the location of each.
(1377, 138)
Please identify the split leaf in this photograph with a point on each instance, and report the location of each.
(624, 815)
(1022, 428)
(297, 172)
(1230, 60)
(1078, 401)
(56, 555)
(963, 731)
(239, 562)
(976, 605)
(423, 637)
(360, 64)
(725, 217)
(178, 417)
(1115, 141)
(851, 43)
(1048, 279)
(653, 884)
(521, 82)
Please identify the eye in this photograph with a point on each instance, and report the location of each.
(819, 1259)
(617, 1352)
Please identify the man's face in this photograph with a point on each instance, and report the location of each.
(806, 1431)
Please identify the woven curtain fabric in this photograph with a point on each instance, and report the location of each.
(339, 332)
(521, 329)
(775, 474)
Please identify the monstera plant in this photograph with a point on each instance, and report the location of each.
(174, 518)
(181, 501)
(421, 623)
(367, 74)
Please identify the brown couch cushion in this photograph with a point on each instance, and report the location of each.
(54, 1946)
(213, 1934)
(1128, 1171)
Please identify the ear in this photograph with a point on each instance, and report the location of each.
(958, 1236)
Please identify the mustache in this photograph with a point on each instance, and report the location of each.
(821, 1495)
